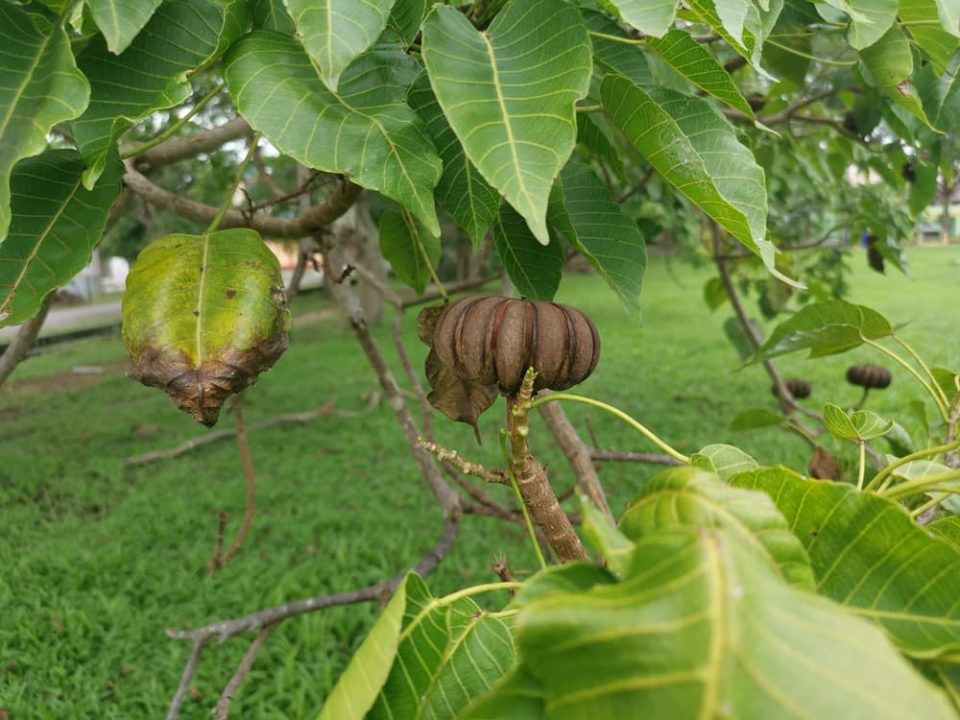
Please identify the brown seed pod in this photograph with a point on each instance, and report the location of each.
(492, 340)
(800, 389)
(871, 377)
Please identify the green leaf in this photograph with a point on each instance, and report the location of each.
(738, 338)
(462, 191)
(449, 655)
(509, 94)
(888, 65)
(121, 20)
(704, 628)
(627, 59)
(407, 16)
(360, 684)
(949, 382)
(694, 62)
(605, 539)
(408, 247)
(742, 23)
(39, 87)
(271, 15)
(697, 151)
(825, 328)
(859, 425)
(949, 16)
(714, 293)
(689, 498)
(948, 529)
(337, 32)
(365, 131)
(868, 555)
(595, 140)
(869, 19)
(535, 269)
(724, 460)
(54, 227)
(921, 20)
(203, 316)
(151, 74)
(576, 576)
(755, 418)
(651, 17)
(582, 211)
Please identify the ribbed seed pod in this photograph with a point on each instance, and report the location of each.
(871, 377)
(800, 389)
(494, 340)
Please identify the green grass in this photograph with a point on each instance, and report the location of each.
(97, 560)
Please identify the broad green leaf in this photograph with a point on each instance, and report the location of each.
(948, 529)
(516, 697)
(888, 65)
(755, 418)
(714, 293)
(121, 20)
(742, 23)
(336, 32)
(365, 131)
(918, 469)
(151, 74)
(949, 382)
(626, 59)
(697, 151)
(825, 328)
(203, 316)
(407, 16)
(869, 19)
(694, 62)
(921, 20)
(651, 17)
(688, 497)
(859, 425)
(738, 338)
(448, 656)
(409, 248)
(704, 628)
(462, 191)
(868, 555)
(949, 16)
(582, 211)
(360, 684)
(509, 94)
(603, 538)
(54, 227)
(39, 87)
(724, 460)
(271, 15)
(535, 269)
(573, 577)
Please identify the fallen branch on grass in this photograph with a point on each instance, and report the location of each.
(212, 437)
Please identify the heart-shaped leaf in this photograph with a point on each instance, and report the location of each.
(869, 19)
(409, 248)
(859, 425)
(825, 328)
(702, 627)
(39, 87)
(509, 94)
(724, 460)
(651, 17)
(121, 20)
(869, 555)
(203, 316)
(54, 227)
(336, 32)
(686, 497)
(364, 131)
(535, 269)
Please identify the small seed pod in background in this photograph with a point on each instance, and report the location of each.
(800, 389)
(869, 377)
(494, 340)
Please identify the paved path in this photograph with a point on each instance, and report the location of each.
(62, 318)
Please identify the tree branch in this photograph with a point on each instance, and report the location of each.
(192, 145)
(311, 221)
(639, 457)
(24, 339)
(222, 709)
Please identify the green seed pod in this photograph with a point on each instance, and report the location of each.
(491, 340)
(870, 377)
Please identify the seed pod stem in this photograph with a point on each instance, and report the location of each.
(532, 481)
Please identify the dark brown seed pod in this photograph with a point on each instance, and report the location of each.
(800, 389)
(871, 377)
(492, 340)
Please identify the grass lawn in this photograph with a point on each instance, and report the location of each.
(96, 560)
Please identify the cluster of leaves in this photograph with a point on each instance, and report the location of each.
(727, 590)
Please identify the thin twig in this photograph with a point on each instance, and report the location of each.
(638, 457)
(496, 475)
(188, 672)
(250, 478)
(222, 709)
